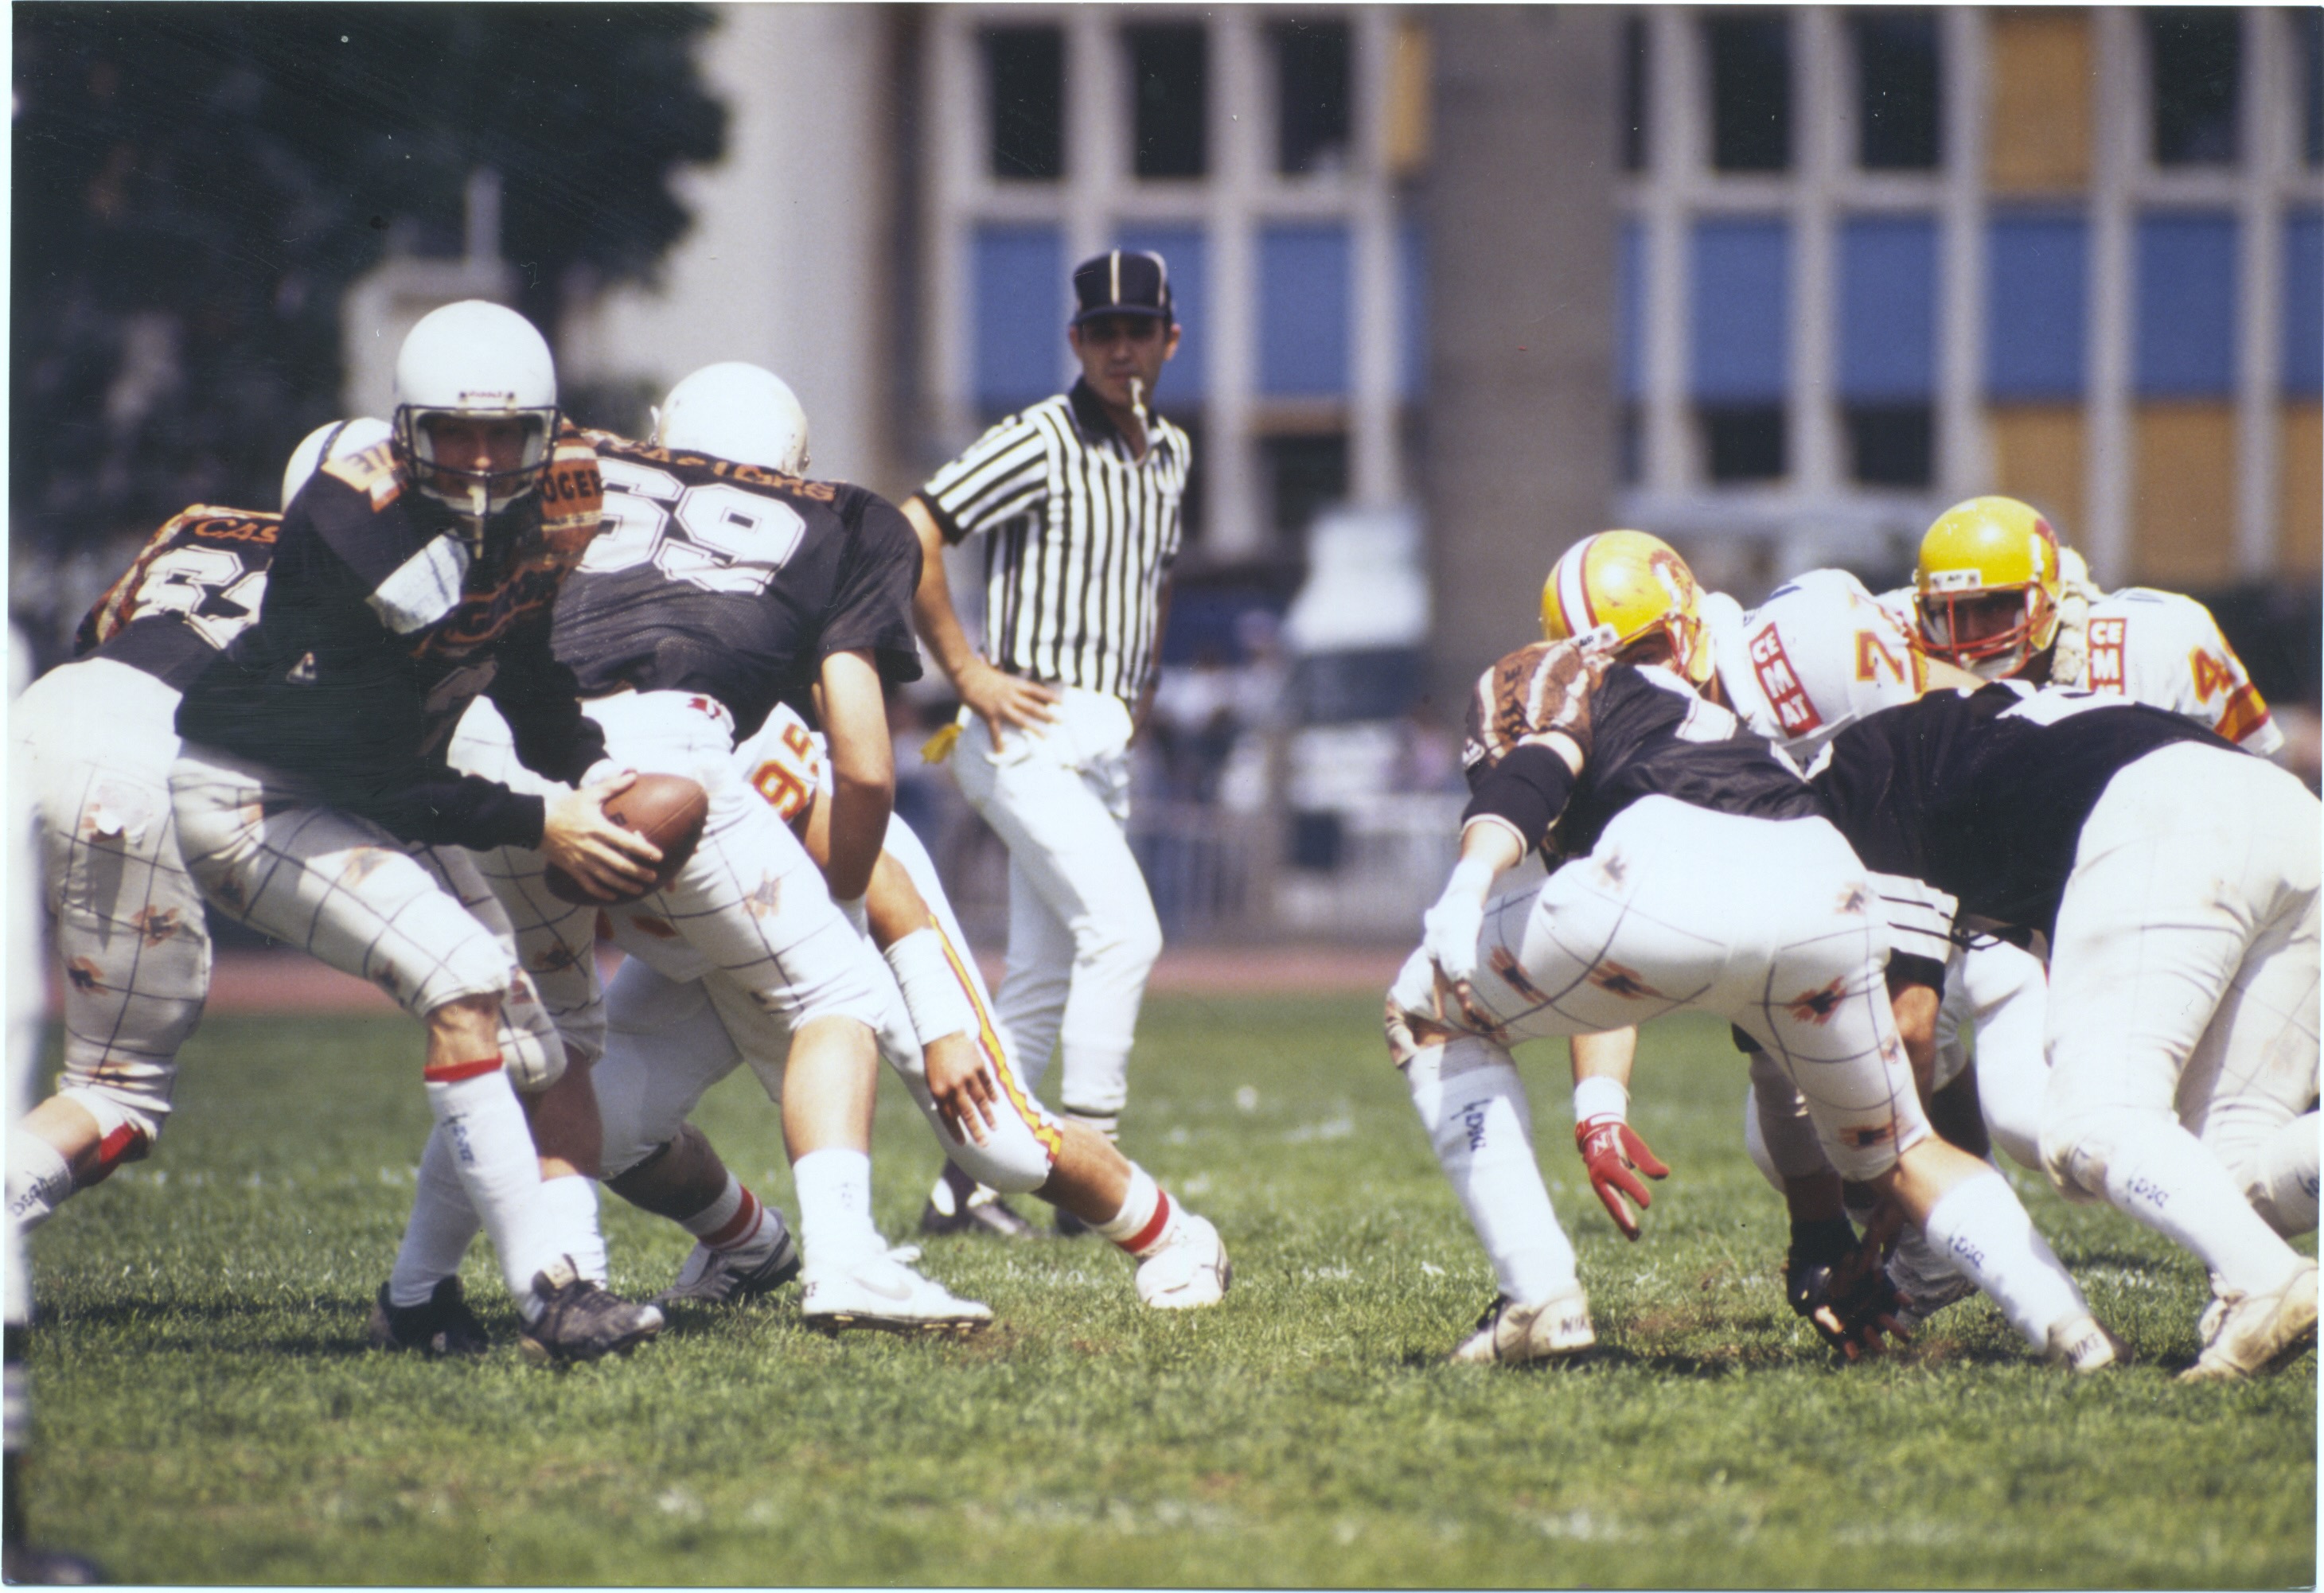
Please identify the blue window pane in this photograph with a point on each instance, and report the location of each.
(2036, 305)
(1741, 307)
(1887, 308)
(1303, 298)
(1631, 312)
(1188, 378)
(2303, 302)
(1017, 283)
(1411, 244)
(2186, 306)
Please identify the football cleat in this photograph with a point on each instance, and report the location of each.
(729, 1277)
(1509, 1333)
(1191, 1270)
(2083, 1345)
(1927, 1281)
(581, 1320)
(2257, 1332)
(881, 1291)
(440, 1325)
(959, 1204)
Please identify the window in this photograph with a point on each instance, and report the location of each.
(2186, 298)
(1311, 97)
(1303, 474)
(1169, 73)
(1750, 92)
(1743, 443)
(1888, 347)
(1025, 89)
(1739, 366)
(1185, 379)
(1899, 105)
(2037, 272)
(1891, 445)
(2303, 303)
(1019, 322)
(1305, 303)
(2311, 22)
(1634, 102)
(2194, 60)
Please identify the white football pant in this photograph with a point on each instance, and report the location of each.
(97, 738)
(2182, 1027)
(1082, 934)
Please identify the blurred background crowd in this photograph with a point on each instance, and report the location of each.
(1461, 285)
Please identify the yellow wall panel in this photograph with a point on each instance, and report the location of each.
(2182, 510)
(2037, 456)
(2300, 519)
(2045, 70)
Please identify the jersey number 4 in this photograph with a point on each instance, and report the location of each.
(714, 535)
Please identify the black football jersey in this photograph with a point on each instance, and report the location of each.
(1644, 735)
(734, 582)
(191, 590)
(377, 631)
(1984, 793)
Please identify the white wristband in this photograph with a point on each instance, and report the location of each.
(932, 990)
(1600, 1098)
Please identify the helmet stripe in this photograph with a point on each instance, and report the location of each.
(1574, 588)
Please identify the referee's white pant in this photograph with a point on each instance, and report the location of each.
(2182, 1013)
(1774, 926)
(98, 737)
(1082, 934)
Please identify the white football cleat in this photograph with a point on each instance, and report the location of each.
(729, 1277)
(877, 1291)
(1509, 1334)
(2256, 1333)
(1189, 1271)
(2083, 1345)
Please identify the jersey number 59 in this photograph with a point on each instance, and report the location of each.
(714, 535)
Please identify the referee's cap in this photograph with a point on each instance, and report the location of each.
(1122, 282)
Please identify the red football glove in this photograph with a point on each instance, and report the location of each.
(1615, 1154)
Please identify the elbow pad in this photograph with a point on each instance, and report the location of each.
(1529, 789)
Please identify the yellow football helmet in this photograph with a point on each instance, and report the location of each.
(1615, 587)
(1987, 586)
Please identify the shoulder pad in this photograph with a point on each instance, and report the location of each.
(371, 472)
(572, 496)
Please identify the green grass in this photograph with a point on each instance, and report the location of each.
(205, 1411)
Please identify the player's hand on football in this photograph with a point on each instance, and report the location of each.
(1615, 1155)
(961, 1088)
(577, 836)
(1840, 1286)
(1005, 701)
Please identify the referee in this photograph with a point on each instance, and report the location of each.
(1079, 496)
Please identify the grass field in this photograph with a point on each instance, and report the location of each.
(206, 1411)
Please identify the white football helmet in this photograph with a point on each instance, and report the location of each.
(478, 362)
(736, 411)
(333, 441)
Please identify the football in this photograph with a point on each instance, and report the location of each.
(668, 810)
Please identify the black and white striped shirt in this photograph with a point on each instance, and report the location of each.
(1080, 535)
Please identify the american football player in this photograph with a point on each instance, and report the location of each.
(97, 736)
(723, 583)
(2174, 878)
(1696, 870)
(313, 802)
(669, 1043)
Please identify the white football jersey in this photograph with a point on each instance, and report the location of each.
(2165, 651)
(1819, 654)
(785, 762)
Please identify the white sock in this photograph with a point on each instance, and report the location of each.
(834, 1197)
(1978, 1226)
(491, 1148)
(567, 1208)
(1149, 1218)
(441, 1225)
(2283, 1187)
(933, 992)
(2159, 1174)
(731, 1222)
(1481, 1127)
(39, 1179)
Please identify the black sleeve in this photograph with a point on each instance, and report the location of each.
(1528, 788)
(871, 602)
(540, 697)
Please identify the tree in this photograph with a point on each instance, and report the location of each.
(196, 185)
